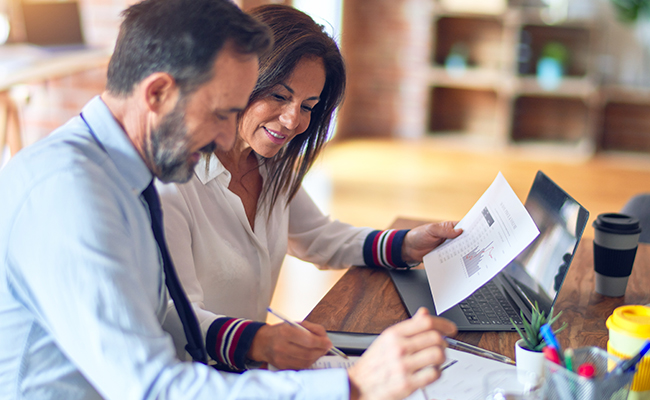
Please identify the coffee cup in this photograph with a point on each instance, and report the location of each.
(629, 328)
(616, 238)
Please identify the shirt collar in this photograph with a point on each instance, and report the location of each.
(119, 148)
(216, 169)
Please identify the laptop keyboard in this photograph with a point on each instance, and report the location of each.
(488, 306)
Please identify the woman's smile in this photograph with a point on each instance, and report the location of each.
(274, 136)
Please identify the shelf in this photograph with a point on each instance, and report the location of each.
(576, 40)
(626, 119)
(626, 94)
(479, 38)
(471, 78)
(533, 16)
(463, 111)
(569, 87)
(626, 127)
(491, 94)
(545, 119)
(471, 7)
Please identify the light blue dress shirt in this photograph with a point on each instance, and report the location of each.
(82, 296)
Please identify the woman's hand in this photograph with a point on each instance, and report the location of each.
(421, 240)
(288, 347)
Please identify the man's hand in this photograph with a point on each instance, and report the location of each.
(421, 240)
(405, 357)
(287, 347)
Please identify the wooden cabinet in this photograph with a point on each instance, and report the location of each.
(510, 79)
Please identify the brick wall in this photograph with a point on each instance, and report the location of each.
(385, 45)
(43, 106)
(46, 105)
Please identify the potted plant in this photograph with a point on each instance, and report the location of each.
(528, 349)
(631, 10)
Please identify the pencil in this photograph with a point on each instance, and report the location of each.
(332, 350)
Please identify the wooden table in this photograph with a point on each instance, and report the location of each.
(365, 300)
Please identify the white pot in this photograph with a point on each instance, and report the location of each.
(528, 360)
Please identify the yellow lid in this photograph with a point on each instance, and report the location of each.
(631, 320)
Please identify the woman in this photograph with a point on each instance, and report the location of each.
(230, 227)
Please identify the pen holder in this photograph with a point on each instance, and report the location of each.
(562, 384)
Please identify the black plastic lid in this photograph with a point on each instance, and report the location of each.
(617, 223)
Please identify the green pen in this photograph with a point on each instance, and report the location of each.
(568, 359)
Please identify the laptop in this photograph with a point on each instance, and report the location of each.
(534, 276)
(53, 24)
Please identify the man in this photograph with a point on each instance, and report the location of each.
(82, 288)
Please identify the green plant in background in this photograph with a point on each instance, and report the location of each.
(531, 334)
(556, 51)
(630, 10)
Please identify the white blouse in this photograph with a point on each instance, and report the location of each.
(226, 267)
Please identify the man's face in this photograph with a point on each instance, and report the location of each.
(204, 119)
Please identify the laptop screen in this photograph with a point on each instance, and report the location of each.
(539, 271)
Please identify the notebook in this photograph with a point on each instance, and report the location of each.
(53, 24)
(534, 276)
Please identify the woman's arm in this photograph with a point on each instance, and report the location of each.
(315, 238)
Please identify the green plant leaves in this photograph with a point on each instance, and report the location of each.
(629, 10)
(531, 334)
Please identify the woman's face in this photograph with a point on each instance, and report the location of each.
(271, 122)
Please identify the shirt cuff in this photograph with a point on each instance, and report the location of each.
(229, 340)
(384, 249)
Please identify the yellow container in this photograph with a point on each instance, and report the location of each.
(629, 328)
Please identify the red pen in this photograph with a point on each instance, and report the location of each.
(587, 370)
(551, 354)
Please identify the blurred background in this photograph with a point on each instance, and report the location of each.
(441, 96)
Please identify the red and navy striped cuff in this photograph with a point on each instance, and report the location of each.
(384, 249)
(229, 340)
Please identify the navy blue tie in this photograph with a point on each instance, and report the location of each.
(190, 324)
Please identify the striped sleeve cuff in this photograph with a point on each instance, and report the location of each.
(228, 341)
(384, 249)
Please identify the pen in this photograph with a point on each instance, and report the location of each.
(333, 350)
(479, 351)
(551, 354)
(444, 367)
(447, 365)
(568, 359)
(551, 340)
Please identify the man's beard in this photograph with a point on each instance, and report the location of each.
(170, 152)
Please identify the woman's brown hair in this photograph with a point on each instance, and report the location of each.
(296, 35)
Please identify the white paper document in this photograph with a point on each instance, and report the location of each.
(462, 380)
(339, 362)
(495, 231)
(462, 375)
(334, 362)
(328, 361)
